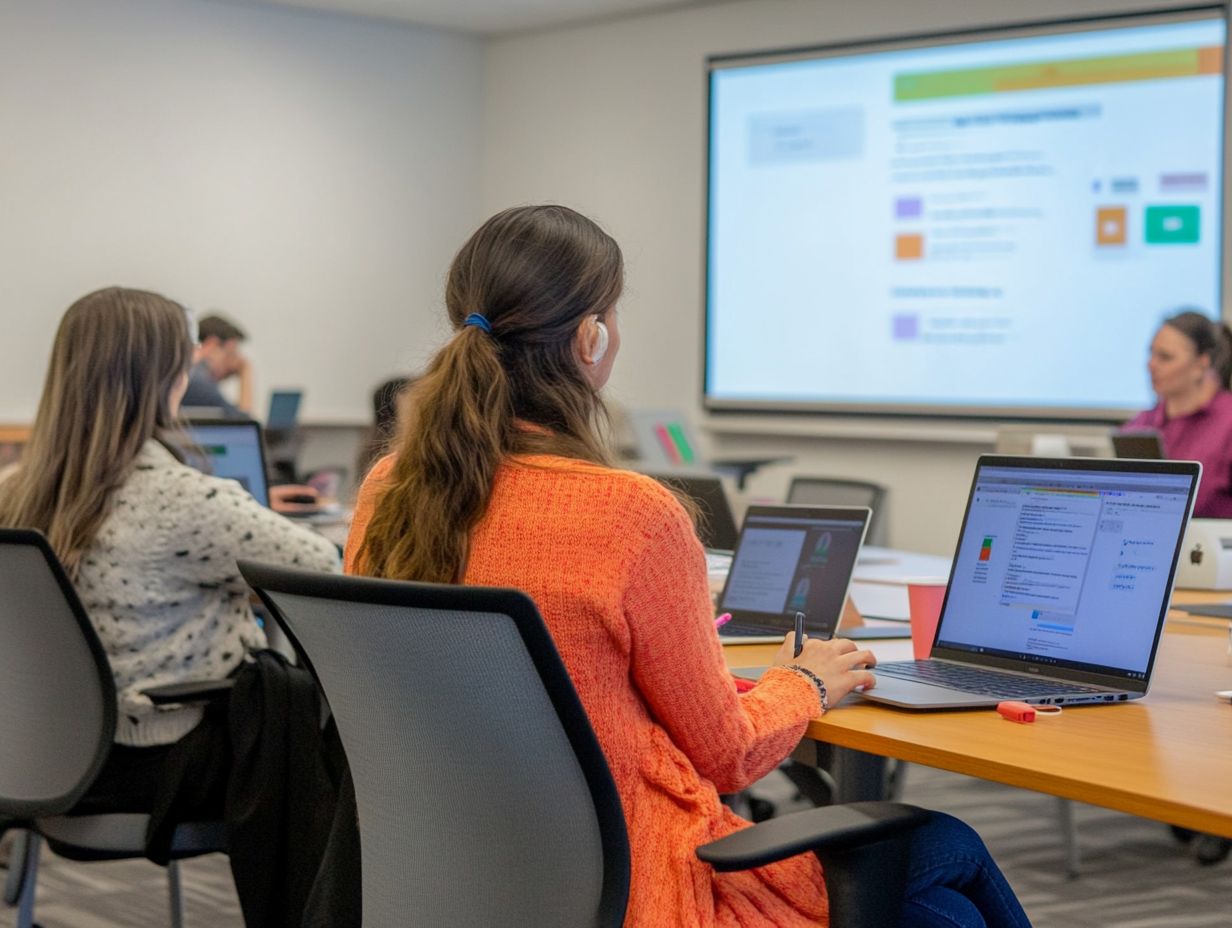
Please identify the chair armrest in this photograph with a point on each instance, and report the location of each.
(191, 691)
(829, 829)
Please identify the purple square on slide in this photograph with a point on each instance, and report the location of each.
(908, 208)
(906, 328)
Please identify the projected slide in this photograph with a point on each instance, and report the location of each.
(994, 224)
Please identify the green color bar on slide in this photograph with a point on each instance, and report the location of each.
(1040, 75)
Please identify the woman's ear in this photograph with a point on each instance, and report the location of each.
(601, 341)
(177, 393)
(591, 340)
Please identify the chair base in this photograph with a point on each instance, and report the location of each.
(103, 837)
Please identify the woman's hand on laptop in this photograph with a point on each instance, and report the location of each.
(294, 497)
(841, 665)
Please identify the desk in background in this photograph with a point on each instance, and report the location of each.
(1166, 757)
(13, 439)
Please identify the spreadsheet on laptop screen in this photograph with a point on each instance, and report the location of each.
(1065, 567)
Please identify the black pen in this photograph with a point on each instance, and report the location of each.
(799, 634)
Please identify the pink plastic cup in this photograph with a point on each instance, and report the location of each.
(924, 598)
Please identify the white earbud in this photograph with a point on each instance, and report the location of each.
(601, 343)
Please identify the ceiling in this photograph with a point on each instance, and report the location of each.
(488, 17)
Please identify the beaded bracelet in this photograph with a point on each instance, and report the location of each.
(817, 682)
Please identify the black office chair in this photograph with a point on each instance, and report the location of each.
(57, 723)
(834, 491)
(458, 694)
(717, 526)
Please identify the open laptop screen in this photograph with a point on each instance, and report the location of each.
(1143, 444)
(232, 450)
(283, 409)
(793, 559)
(1068, 566)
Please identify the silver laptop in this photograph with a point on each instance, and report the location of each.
(791, 559)
(1060, 585)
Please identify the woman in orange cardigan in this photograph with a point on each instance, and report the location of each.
(501, 479)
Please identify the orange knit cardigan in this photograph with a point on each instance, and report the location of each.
(615, 567)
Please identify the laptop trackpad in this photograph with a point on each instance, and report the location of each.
(909, 694)
(904, 693)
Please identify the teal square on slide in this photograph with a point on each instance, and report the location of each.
(1173, 225)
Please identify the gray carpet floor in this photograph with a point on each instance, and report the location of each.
(1134, 875)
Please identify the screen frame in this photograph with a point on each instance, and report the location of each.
(822, 627)
(1070, 670)
(1055, 26)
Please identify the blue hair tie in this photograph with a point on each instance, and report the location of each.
(478, 319)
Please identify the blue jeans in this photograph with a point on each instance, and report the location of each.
(953, 882)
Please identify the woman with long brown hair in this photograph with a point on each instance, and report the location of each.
(501, 478)
(151, 547)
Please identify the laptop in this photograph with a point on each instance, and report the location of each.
(791, 559)
(1060, 585)
(1147, 445)
(283, 413)
(230, 448)
(717, 528)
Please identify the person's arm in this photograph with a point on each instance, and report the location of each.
(230, 525)
(678, 667)
(245, 378)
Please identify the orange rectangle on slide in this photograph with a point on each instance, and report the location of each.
(1110, 225)
(908, 247)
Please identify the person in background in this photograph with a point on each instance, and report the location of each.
(501, 477)
(387, 402)
(220, 357)
(1190, 367)
(151, 545)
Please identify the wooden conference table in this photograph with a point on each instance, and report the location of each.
(1167, 756)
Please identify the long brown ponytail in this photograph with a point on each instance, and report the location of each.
(534, 273)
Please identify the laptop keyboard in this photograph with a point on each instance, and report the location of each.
(747, 631)
(978, 680)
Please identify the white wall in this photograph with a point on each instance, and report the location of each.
(310, 175)
(610, 119)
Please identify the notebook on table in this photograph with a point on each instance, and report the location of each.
(1060, 586)
(791, 559)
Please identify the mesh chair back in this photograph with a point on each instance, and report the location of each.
(717, 526)
(483, 796)
(57, 697)
(828, 491)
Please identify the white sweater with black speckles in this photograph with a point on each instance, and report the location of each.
(162, 589)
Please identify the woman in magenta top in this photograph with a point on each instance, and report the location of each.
(1190, 368)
